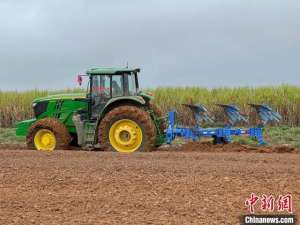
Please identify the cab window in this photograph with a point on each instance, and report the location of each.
(101, 86)
(132, 88)
(117, 85)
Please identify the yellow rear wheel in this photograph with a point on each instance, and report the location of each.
(128, 129)
(45, 140)
(125, 136)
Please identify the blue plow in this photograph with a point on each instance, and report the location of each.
(221, 135)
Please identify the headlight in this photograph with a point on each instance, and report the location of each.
(39, 108)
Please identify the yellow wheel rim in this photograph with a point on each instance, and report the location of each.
(45, 140)
(125, 136)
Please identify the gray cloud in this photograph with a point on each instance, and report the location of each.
(44, 44)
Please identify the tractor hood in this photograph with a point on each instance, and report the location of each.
(71, 96)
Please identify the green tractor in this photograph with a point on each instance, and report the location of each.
(114, 115)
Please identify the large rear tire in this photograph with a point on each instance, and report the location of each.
(48, 134)
(127, 129)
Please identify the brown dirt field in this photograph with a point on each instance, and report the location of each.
(163, 187)
(232, 147)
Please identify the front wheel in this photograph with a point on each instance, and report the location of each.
(47, 135)
(127, 129)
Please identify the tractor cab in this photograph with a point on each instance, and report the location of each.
(107, 85)
(110, 83)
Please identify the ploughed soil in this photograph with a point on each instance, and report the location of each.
(193, 184)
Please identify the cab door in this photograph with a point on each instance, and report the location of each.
(101, 93)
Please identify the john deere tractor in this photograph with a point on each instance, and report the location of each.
(114, 115)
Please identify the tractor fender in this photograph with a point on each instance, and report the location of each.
(130, 100)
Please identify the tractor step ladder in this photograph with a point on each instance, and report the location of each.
(89, 133)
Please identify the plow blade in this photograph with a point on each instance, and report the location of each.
(233, 114)
(200, 112)
(266, 113)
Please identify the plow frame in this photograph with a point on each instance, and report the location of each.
(220, 135)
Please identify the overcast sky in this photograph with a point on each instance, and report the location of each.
(209, 43)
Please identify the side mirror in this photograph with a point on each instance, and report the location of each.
(79, 79)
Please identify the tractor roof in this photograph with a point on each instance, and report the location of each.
(111, 70)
